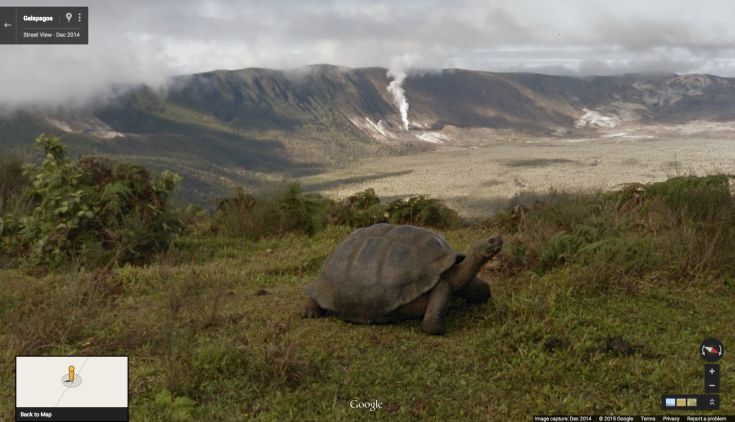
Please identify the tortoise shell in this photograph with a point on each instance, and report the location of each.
(379, 268)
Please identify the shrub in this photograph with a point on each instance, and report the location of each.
(422, 211)
(14, 184)
(364, 209)
(359, 210)
(96, 211)
(559, 249)
(193, 218)
(235, 214)
(681, 229)
(616, 257)
(286, 210)
(290, 210)
(174, 408)
(696, 197)
(362, 200)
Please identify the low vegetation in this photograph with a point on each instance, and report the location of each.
(600, 302)
(13, 184)
(91, 212)
(291, 211)
(681, 230)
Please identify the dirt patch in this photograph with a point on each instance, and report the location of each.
(491, 183)
(538, 162)
(466, 178)
(553, 344)
(619, 346)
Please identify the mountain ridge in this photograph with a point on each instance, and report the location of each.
(224, 128)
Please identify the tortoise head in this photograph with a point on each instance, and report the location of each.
(486, 249)
(466, 270)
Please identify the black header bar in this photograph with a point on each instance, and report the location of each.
(44, 25)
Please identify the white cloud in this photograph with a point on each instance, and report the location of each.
(145, 41)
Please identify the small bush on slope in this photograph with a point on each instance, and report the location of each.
(94, 211)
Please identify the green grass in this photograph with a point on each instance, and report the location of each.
(230, 310)
(213, 329)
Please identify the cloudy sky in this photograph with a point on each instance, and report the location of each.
(148, 41)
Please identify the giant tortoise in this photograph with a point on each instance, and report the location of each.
(386, 273)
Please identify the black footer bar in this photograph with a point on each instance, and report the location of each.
(82, 414)
(634, 418)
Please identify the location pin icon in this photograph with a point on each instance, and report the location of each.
(68, 16)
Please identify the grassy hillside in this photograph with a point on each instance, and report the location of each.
(600, 303)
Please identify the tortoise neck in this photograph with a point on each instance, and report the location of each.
(466, 270)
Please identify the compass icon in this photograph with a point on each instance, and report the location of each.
(711, 350)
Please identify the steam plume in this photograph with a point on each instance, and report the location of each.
(395, 87)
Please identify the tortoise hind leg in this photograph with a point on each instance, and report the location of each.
(434, 317)
(416, 309)
(312, 309)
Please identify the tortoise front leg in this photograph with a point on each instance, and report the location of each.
(312, 309)
(434, 317)
(476, 291)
